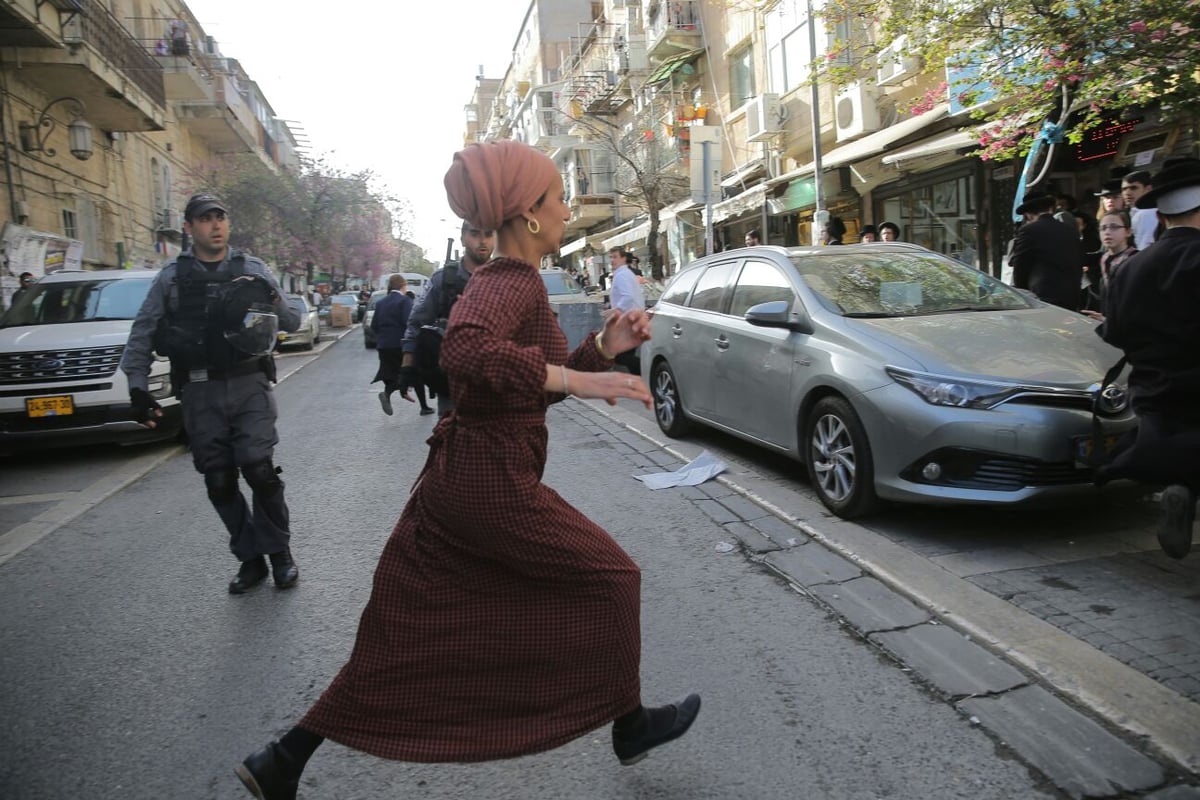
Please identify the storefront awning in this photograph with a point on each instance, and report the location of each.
(667, 68)
(748, 200)
(744, 173)
(578, 244)
(633, 234)
(956, 140)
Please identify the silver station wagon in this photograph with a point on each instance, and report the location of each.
(890, 371)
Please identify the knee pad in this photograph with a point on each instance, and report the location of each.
(263, 477)
(222, 484)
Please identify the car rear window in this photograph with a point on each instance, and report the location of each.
(85, 300)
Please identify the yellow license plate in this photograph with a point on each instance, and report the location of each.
(50, 406)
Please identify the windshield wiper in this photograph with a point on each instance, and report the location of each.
(972, 308)
(872, 314)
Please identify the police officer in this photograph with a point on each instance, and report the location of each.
(432, 309)
(215, 313)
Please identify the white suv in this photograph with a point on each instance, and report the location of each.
(60, 348)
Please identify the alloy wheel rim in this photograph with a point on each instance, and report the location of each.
(833, 458)
(665, 401)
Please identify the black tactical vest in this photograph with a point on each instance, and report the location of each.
(193, 337)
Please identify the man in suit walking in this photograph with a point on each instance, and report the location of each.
(1046, 256)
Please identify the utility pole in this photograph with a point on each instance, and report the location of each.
(820, 215)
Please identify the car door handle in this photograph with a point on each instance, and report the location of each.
(722, 343)
(677, 330)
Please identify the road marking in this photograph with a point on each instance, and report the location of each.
(22, 499)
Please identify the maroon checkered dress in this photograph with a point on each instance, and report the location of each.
(502, 621)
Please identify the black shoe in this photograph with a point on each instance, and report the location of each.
(270, 774)
(657, 726)
(250, 574)
(385, 400)
(283, 568)
(1175, 526)
(426, 412)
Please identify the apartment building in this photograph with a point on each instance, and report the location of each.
(641, 83)
(109, 110)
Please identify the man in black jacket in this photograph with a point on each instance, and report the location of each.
(1046, 256)
(1150, 313)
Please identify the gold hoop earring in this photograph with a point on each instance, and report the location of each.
(534, 226)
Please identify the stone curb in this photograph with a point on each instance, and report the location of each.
(959, 659)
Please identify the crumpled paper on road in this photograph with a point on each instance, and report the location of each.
(693, 473)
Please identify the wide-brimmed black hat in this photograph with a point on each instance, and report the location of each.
(1110, 188)
(1032, 200)
(1176, 187)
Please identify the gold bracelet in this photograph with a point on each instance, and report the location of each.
(563, 370)
(600, 346)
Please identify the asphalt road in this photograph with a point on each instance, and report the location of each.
(129, 672)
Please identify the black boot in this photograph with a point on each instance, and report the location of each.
(270, 774)
(634, 738)
(250, 574)
(284, 569)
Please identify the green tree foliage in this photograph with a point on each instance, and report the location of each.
(1034, 58)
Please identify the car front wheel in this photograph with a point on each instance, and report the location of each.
(668, 408)
(838, 457)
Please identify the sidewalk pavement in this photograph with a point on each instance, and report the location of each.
(1093, 726)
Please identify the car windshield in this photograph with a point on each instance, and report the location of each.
(84, 300)
(901, 284)
(345, 299)
(298, 304)
(560, 283)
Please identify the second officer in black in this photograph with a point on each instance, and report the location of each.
(215, 312)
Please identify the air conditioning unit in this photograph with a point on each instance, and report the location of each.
(894, 66)
(764, 117)
(854, 111)
(210, 47)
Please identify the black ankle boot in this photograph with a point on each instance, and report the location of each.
(284, 569)
(656, 726)
(270, 774)
(250, 574)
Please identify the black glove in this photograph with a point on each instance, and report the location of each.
(409, 379)
(144, 406)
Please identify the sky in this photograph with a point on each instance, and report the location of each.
(380, 89)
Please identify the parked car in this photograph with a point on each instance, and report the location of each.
(347, 299)
(563, 288)
(890, 371)
(368, 334)
(60, 347)
(309, 332)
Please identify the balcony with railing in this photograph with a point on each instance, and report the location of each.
(103, 65)
(225, 123)
(24, 23)
(187, 73)
(672, 28)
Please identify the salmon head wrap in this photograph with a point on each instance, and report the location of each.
(492, 182)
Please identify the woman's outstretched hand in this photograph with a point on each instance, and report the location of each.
(625, 331)
(609, 386)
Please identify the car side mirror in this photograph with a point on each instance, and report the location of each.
(777, 314)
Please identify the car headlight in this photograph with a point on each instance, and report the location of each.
(940, 390)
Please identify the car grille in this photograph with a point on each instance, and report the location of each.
(972, 469)
(1010, 474)
(1082, 402)
(52, 366)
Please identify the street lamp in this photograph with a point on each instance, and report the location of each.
(79, 131)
